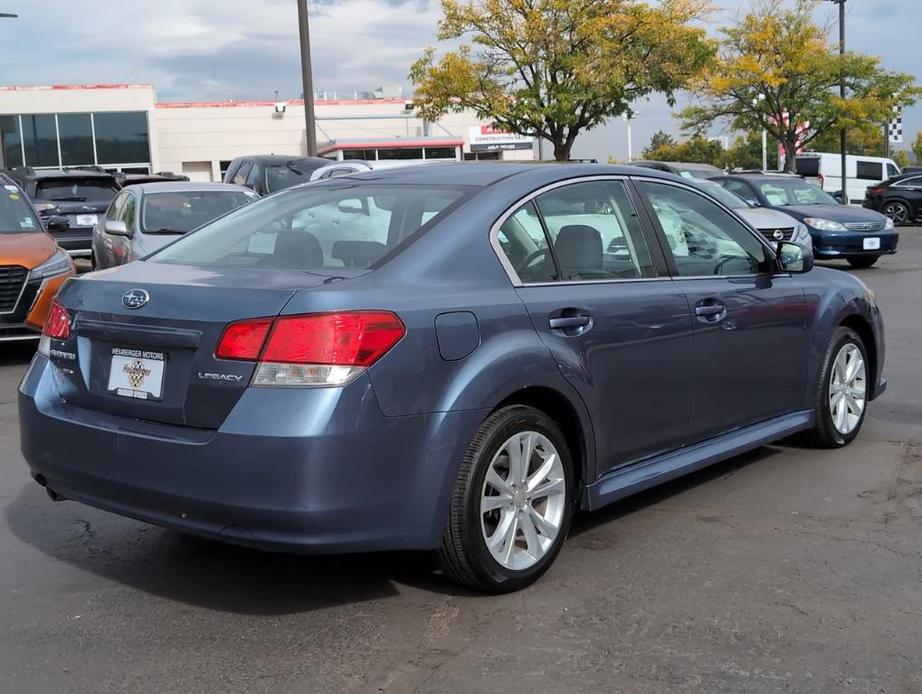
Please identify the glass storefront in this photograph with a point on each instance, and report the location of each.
(114, 140)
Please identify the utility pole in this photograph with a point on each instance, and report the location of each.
(307, 83)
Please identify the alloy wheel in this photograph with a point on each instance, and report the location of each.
(847, 388)
(523, 500)
(897, 212)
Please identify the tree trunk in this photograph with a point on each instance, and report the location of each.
(562, 147)
(790, 154)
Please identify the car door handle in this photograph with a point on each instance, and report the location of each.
(709, 310)
(569, 322)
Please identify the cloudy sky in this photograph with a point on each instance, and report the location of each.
(196, 50)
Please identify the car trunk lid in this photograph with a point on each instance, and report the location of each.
(157, 361)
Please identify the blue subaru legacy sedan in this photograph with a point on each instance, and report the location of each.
(452, 358)
(857, 235)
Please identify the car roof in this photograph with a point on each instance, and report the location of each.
(39, 174)
(284, 159)
(765, 178)
(187, 187)
(482, 174)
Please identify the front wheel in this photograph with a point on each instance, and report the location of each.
(842, 392)
(512, 504)
(863, 261)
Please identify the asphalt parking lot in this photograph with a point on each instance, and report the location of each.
(787, 569)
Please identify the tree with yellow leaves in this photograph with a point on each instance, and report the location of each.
(777, 70)
(555, 68)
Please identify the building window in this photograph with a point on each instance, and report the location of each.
(40, 140)
(481, 156)
(76, 136)
(401, 153)
(367, 154)
(12, 144)
(224, 165)
(440, 152)
(121, 138)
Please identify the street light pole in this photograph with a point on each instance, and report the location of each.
(842, 133)
(307, 85)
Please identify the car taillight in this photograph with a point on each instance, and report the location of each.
(875, 191)
(57, 327)
(322, 349)
(244, 340)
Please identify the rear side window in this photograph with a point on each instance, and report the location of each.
(808, 166)
(75, 190)
(342, 226)
(870, 170)
(579, 232)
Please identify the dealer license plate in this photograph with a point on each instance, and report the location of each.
(87, 220)
(136, 373)
(872, 244)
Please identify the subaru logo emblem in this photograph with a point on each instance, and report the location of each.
(135, 298)
(778, 235)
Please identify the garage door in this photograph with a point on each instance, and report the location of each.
(197, 170)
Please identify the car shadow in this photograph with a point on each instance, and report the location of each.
(585, 522)
(14, 353)
(241, 580)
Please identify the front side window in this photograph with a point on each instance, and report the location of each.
(322, 226)
(177, 213)
(704, 239)
(739, 188)
(73, 189)
(892, 171)
(127, 212)
(240, 175)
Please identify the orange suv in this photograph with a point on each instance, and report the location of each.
(32, 267)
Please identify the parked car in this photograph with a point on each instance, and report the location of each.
(774, 225)
(32, 267)
(684, 169)
(825, 170)
(838, 231)
(267, 173)
(145, 217)
(465, 387)
(69, 201)
(900, 198)
(351, 166)
(159, 177)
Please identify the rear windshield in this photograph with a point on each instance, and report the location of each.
(344, 225)
(177, 213)
(16, 214)
(808, 166)
(279, 177)
(75, 190)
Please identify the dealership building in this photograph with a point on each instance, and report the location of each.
(124, 127)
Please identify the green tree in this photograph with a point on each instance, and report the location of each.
(776, 70)
(868, 141)
(555, 68)
(901, 157)
(695, 150)
(746, 153)
(659, 140)
(917, 147)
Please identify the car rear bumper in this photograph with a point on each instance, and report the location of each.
(831, 245)
(331, 475)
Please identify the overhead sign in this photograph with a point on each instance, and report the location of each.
(484, 138)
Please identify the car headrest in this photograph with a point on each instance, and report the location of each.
(298, 249)
(579, 247)
(358, 253)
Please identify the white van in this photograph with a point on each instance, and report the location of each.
(824, 169)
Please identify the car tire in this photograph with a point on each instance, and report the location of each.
(832, 429)
(862, 261)
(897, 211)
(503, 531)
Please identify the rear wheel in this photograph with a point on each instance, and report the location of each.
(842, 391)
(863, 261)
(897, 211)
(512, 504)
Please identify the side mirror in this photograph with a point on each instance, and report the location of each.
(840, 198)
(794, 258)
(116, 227)
(56, 222)
(344, 206)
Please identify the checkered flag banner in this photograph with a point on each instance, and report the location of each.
(895, 127)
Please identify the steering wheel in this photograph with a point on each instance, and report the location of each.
(532, 257)
(718, 268)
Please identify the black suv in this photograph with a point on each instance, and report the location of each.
(69, 202)
(267, 173)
